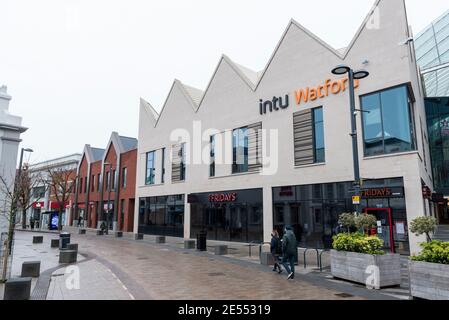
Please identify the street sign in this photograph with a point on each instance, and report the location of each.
(355, 199)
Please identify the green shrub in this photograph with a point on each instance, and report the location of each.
(423, 225)
(358, 242)
(434, 251)
(347, 220)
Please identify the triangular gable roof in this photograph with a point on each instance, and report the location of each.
(252, 78)
(97, 154)
(128, 143)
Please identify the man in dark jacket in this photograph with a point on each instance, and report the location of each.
(289, 247)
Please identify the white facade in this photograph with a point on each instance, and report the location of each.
(300, 60)
(42, 202)
(10, 130)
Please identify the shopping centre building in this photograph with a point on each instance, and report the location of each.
(432, 53)
(260, 150)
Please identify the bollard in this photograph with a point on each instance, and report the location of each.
(31, 269)
(160, 239)
(17, 289)
(138, 236)
(68, 256)
(82, 231)
(221, 250)
(54, 243)
(189, 244)
(118, 234)
(38, 239)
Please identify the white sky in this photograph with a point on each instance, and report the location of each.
(76, 68)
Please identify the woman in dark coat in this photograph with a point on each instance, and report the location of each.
(276, 250)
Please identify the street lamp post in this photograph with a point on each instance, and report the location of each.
(353, 75)
(17, 180)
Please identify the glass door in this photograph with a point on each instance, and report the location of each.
(384, 228)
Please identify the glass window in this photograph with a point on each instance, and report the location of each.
(212, 157)
(98, 182)
(92, 188)
(107, 180)
(318, 135)
(124, 177)
(162, 215)
(388, 122)
(149, 177)
(163, 166)
(240, 150)
(183, 162)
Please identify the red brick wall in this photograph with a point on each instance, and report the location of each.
(129, 161)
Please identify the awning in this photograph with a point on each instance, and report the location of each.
(37, 204)
(55, 205)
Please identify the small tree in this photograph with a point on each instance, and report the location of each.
(365, 222)
(423, 225)
(60, 183)
(347, 220)
(25, 184)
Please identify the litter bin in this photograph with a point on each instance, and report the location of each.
(64, 240)
(201, 241)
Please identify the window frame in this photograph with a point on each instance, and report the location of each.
(153, 175)
(412, 123)
(314, 135)
(235, 165)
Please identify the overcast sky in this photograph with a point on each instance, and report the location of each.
(76, 68)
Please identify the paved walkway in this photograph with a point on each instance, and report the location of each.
(121, 269)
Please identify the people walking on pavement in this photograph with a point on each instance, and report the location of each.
(80, 221)
(276, 250)
(289, 249)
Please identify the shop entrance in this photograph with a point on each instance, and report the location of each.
(385, 230)
(443, 214)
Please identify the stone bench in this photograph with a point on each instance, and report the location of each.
(54, 243)
(221, 250)
(189, 244)
(100, 232)
(138, 236)
(38, 239)
(118, 234)
(72, 246)
(68, 256)
(31, 269)
(82, 231)
(160, 239)
(17, 289)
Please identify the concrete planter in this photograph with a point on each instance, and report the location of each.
(429, 280)
(376, 271)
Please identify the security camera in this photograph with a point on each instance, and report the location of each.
(403, 43)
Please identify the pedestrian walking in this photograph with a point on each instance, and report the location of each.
(80, 222)
(276, 250)
(32, 223)
(289, 249)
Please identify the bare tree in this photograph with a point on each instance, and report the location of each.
(15, 193)
(24, 188)
(61, 183)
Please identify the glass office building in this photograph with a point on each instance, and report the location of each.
(432, 55)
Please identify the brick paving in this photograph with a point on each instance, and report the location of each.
(120, 269)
